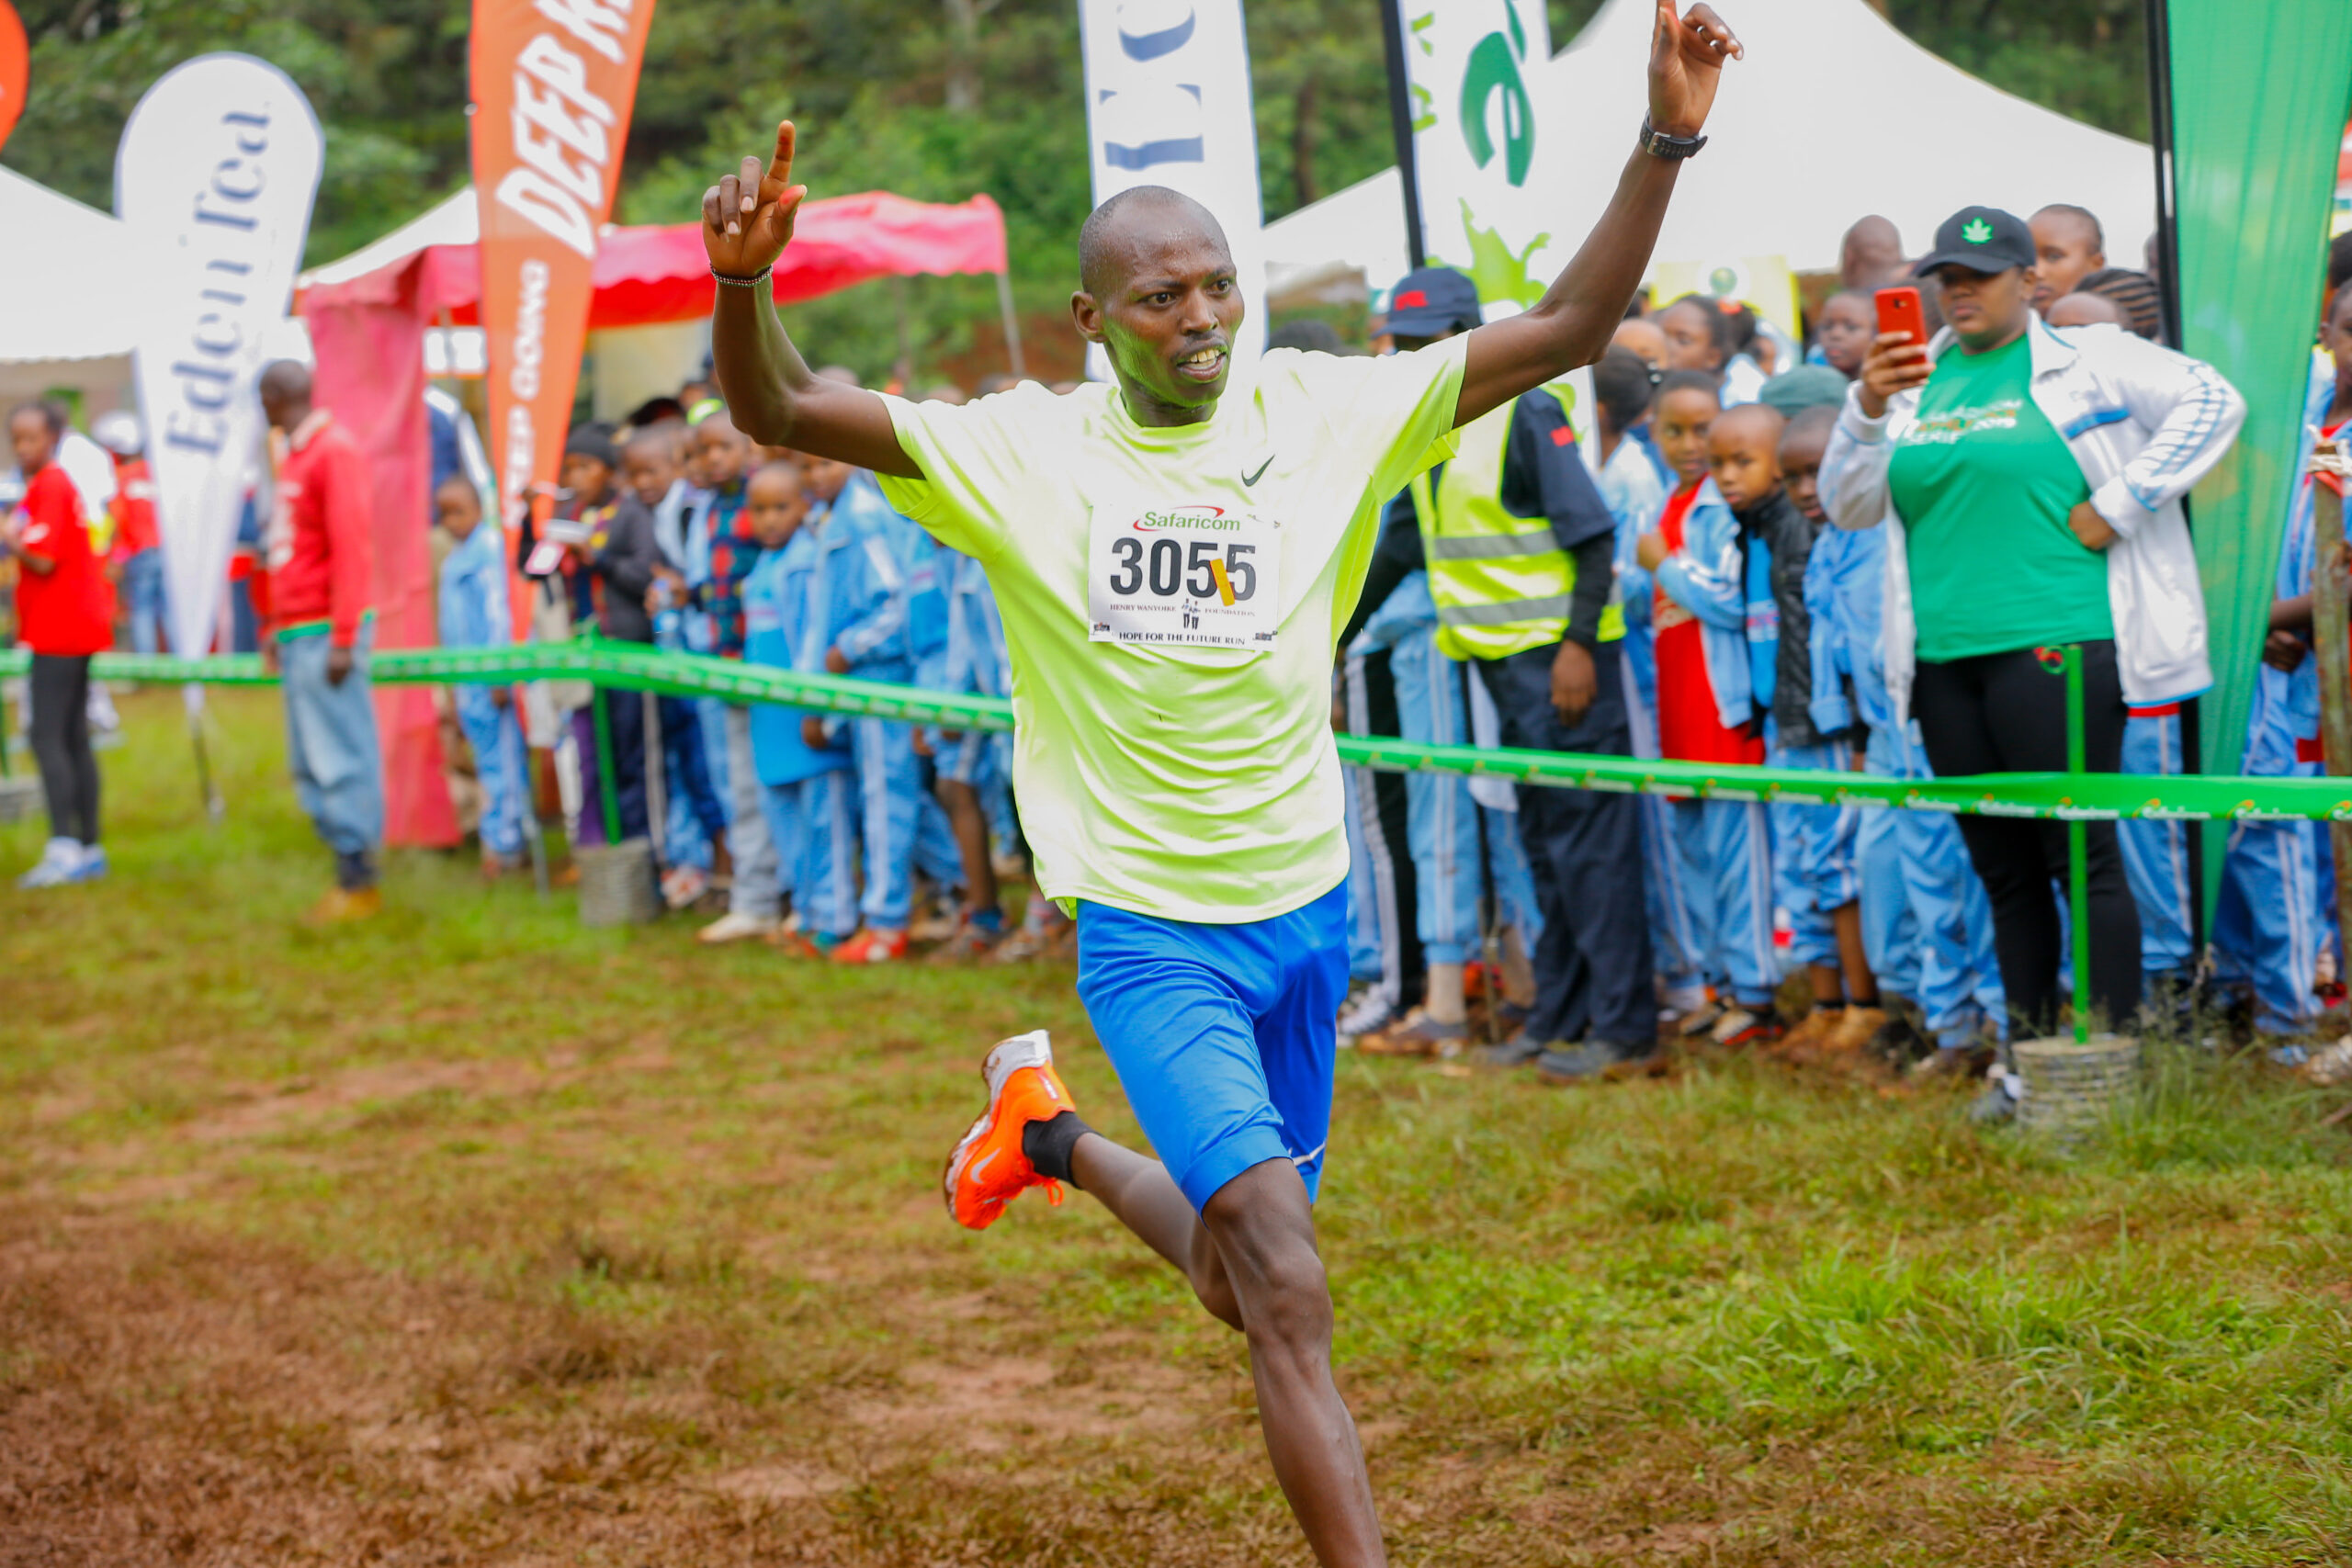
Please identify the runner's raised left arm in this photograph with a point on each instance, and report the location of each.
(1571, 325)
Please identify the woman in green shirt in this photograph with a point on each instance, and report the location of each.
(2005, 557)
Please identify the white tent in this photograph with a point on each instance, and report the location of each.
(455, 222)
(64, 277)
(1833, 114)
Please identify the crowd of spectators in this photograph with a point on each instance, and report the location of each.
(1834, 549)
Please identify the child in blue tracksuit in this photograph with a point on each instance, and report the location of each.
(1697, 562)
(775, 609)
(1927, 924)
(1630, 485)
(857, 625)
(974, 769)
(695, 822)
(928, 567)
(2277, 903)
(475, 612)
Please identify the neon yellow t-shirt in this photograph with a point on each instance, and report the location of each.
(1171, 599)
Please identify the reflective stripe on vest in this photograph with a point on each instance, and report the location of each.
(1500, 586)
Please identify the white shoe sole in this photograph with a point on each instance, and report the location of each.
(1005, 1058)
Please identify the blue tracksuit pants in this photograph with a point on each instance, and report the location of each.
(2155, 853)
(1927, 924)
(497, 741)
(1726, 851)
(785, 812)
(824, 875)
(1442, 818)
(1678, 946)
(2278, 907)
(1812, 857)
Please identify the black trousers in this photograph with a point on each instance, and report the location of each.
(61, 735)
(1378, 801)
(2004, 712)
(1593, 979)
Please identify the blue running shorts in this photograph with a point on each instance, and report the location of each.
(1225, 1037)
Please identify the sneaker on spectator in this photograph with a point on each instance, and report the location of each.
(872, 946)
(736, 927)
(2330, 1066)
(1998, 1105)
(93, 866)
(1811, 1031)
(1370, 1010)
(1952, 1064)
(1697, 1022)
(1851, 1034)
(1515, 1052)
(59, 858)
(1899, 1042)
(1740, 1027)
(969, 941)
(1416, 1034)
(682, 885)
(1597, 1061)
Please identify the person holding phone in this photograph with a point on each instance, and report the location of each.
(2032, 480)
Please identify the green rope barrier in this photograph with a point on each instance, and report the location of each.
(2067, 796)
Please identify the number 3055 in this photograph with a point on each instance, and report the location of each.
(1172, 569)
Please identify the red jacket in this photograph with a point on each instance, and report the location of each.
(61, 612)
(134, 508)
(323, 542)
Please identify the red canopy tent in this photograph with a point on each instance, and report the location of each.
(368, 335)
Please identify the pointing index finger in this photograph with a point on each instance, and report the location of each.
(780, 167)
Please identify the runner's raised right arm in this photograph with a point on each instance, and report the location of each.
(772, 395)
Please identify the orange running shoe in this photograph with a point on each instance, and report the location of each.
(988, 1169)
(871, 946)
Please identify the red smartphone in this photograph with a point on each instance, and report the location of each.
(1899, 311)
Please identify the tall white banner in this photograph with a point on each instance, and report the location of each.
(213, 181)
(1168, 104)
(1478, 144)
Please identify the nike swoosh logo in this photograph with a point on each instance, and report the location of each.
(981, 1170)
(1249, 480)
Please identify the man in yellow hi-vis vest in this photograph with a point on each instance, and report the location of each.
(1517, 546)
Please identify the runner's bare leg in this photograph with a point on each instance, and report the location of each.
(1251, 1259)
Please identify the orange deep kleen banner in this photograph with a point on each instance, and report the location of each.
(553, 83)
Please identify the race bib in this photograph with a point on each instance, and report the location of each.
(1202, 576)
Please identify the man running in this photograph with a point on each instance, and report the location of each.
(1173, 559)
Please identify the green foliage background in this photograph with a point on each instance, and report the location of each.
(933, 99)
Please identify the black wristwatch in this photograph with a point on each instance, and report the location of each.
(1658, 144)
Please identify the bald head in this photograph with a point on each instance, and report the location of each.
(1872, 254)
(1749, 422)
(2080, 309)
(1123, 235)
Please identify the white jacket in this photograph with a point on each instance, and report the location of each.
(2145, 424)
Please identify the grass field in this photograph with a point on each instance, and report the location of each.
(472, 1236)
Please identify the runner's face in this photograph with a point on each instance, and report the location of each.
(1169, 327)
(1680, 426)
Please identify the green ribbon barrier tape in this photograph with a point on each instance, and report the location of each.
(2087, 796)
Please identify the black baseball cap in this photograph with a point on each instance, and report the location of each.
(1982, 239)
(1432, 301)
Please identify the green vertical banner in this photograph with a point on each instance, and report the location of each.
(2259, 94)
